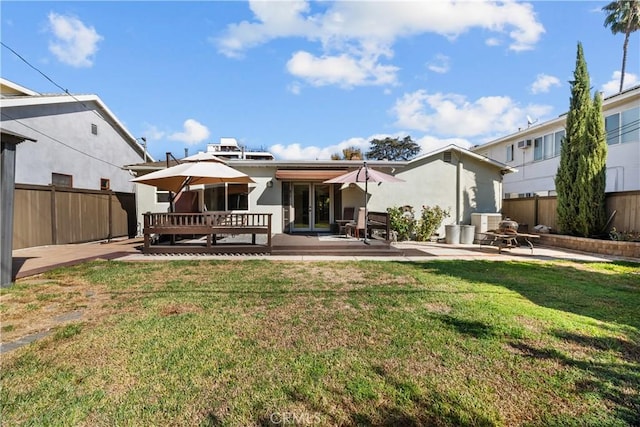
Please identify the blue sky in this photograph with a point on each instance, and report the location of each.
(307, 79)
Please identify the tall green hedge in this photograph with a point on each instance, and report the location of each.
(580, 180)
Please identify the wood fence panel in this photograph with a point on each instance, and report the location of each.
(547, 207)
(44, 215)
(123, 210)
(31, 218)
(627, 207)
(626, 204)
(81, 217)
(521, 210)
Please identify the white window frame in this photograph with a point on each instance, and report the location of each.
(626, 129)
(510, 153)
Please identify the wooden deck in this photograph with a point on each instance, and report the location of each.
(224, 233)
(189, 233)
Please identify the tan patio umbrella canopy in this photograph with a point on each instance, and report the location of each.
(202, 157)
(175, 178)
(366, 175)
(363, 174)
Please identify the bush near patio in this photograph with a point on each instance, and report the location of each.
(402, 221)
(430, 220)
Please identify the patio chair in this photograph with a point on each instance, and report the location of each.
(347, 217)
(358, 225)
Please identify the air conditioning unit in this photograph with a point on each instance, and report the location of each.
(524, 144)
(485, 221)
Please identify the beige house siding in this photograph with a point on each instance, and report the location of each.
(428, 180)
(432, 181)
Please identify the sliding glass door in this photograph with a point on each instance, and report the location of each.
(312, 207)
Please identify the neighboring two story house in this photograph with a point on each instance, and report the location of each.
(81, 143)
(70, 186)
(535, 151)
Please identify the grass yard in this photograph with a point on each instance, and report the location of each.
(443, 343)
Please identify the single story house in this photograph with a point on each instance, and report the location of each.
(295, 194)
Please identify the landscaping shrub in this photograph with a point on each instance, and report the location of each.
(402, 221)
(624, 236)
(430, 220)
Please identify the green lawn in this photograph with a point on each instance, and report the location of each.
(444, 343)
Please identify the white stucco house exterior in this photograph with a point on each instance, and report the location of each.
(295, 193)
(80, 142)
(535, 151)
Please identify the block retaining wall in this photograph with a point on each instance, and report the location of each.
(604, 247)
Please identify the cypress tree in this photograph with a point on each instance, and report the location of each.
(591, 174)
(576, 125)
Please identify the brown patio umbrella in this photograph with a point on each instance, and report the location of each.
(175, 178)
(366, 175)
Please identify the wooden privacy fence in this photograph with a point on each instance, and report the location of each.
(542, 210)
(48, 215)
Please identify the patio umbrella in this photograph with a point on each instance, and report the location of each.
(175, 178)
(202, 157)
(366, 175)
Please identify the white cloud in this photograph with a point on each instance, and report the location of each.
(358, 35)
(75, 44)
(296, 152)
(193, 133)
(342, 70)
(273, 20)
(152, 133)
(311, 152)
(429, 143)
(543, 83)
(452, 115)
(612, 86)
(344, 21)
(440, 64)
(295, 88)
(492, 41)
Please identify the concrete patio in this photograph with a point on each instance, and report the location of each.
(32, 261)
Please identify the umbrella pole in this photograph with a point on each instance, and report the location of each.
(366, 190)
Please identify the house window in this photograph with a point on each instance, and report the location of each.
(61, 180)
(537, 149)
(630, 126)
(557, 143)
(231, 197)
(94, 129)
(547, 142)
(623, 127)
(105, 184)
(510, 153)
(238, 197)
(612, 128)
(547, 146)
(162, 196)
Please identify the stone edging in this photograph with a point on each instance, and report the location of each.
(604, 247)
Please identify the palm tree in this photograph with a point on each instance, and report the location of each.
(623, 16)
